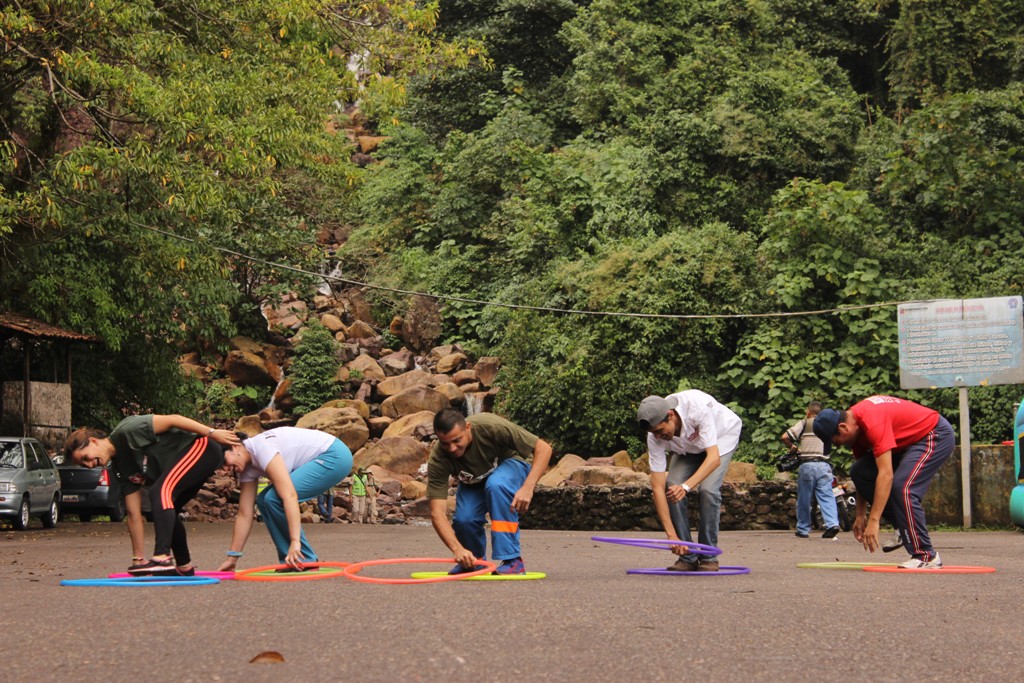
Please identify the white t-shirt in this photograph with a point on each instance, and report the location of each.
(706, 422)
(297, 447)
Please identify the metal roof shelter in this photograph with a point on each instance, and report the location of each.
(21, 330)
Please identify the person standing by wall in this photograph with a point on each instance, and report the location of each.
(325, 505)
(357, 491)
(814, 477)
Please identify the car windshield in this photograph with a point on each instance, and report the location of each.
(11, 455)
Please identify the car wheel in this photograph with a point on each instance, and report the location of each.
(117, 513)
(84, 516)
(52, 515)
(21, 521)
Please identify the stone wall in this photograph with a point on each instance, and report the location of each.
(764, 505)
(772, 504)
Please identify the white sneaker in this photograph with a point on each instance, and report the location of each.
(934, 563)
(894, 543)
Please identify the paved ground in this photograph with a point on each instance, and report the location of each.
(587, 621)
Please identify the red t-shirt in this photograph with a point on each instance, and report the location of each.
(888, 423)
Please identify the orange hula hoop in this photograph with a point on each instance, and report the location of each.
(247, 574)
(352, 569)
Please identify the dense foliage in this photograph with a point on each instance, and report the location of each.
(145, 144)
(701, 158)
(698, 164)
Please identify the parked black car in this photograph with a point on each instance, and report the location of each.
(90, 491)
(29, 485)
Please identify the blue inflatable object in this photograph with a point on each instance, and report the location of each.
(1017, 494)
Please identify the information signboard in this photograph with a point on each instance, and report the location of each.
(961, 343)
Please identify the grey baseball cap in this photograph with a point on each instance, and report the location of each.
(654, 409)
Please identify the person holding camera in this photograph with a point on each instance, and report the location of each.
(814, 475)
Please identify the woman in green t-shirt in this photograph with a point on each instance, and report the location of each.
(174, 456)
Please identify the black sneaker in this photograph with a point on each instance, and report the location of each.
(831, 532)
(800, 534)
(894, 543)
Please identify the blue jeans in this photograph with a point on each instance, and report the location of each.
(325, 505)
(815, 478)
(493, 497)
(310, 480)
(681, 467)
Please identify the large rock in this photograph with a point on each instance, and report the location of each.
(360, 330)
(741, 472)
(367, 367)
(401, 454)
(560, 472)
(603, 475)
(486, 370)
(245, 368)
(620, 459)
(414, 400)
(359, 406)
(290, 314)
(393, 386)
(250, 424)
(411, 490)
(452, 391)
(452, 363)
(418, 425)
(332, 323)
(344, 423)
(396, 363)
(243, 343)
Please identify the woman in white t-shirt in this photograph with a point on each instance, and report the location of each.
(300, 464)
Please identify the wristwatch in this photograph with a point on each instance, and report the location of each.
(687, 488)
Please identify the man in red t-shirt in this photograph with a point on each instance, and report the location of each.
(909, 443)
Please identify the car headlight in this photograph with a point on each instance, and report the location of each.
(7, 487)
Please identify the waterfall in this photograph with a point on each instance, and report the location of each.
(474, 403)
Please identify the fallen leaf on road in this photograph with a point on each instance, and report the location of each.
(268, 657)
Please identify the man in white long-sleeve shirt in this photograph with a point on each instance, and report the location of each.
(700, 435)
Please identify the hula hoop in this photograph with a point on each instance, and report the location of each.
(144, 581)
(844, 565)
(528, 576)
(223, 576)
(350, 571)
(948, 569)
(268, 573)
(722, 571)
(659, 544)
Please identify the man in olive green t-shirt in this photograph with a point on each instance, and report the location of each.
(497, 464)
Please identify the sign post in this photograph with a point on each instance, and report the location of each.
(962, 343)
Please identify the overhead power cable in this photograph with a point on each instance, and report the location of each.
(521, 307)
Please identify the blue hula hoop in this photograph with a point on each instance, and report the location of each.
(659, 544)
(144, 581)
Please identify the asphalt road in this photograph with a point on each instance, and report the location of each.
(587, 621)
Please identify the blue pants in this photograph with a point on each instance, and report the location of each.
(815, 478)
(681, 467)
(310, 480)
(493, 497)
(913, 470)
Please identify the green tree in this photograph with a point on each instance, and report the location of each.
(148, 145)
(314, 367)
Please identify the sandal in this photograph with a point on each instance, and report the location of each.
(154, 568)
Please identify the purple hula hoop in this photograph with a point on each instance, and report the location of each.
(659, 544)
(723, 571)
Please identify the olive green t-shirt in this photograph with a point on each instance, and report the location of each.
(141, 455)
(495, 439)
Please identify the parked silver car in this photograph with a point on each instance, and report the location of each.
(29, 482)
